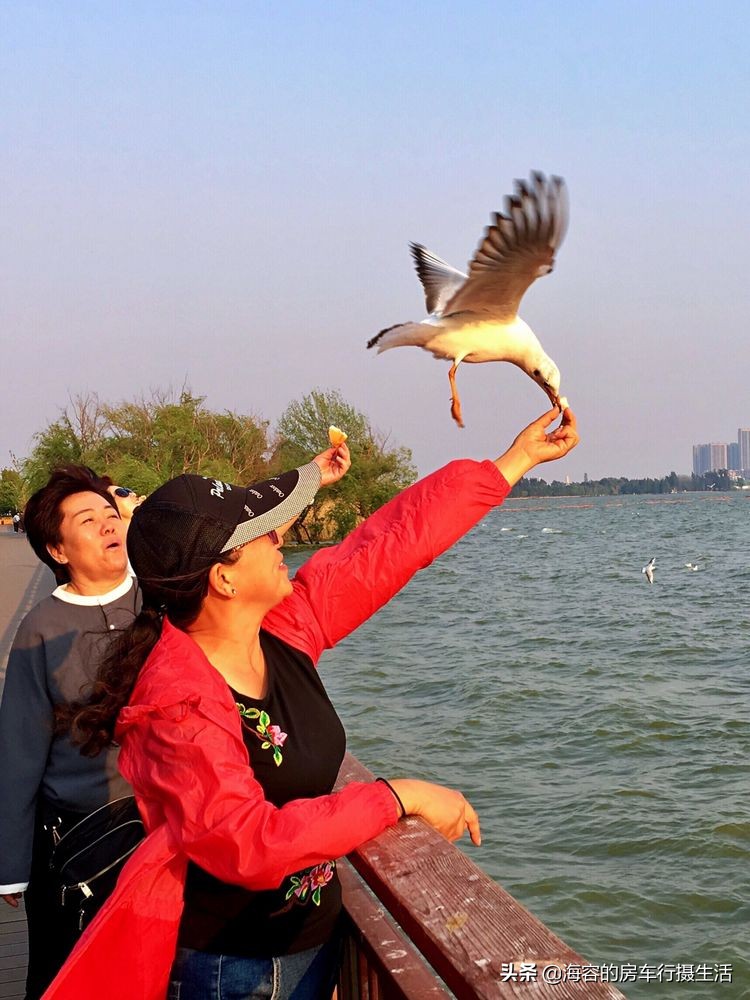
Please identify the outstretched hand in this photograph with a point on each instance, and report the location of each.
(334, 463)
(534, 445)
(543, 447)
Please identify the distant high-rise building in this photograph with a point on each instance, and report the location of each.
(733, 456)
(718, 456)
(701, 458)
(743, 440)
(709, 458)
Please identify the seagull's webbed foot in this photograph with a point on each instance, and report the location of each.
(455, 401)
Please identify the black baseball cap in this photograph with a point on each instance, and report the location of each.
(186, 524)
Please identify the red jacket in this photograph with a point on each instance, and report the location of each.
(183, 752)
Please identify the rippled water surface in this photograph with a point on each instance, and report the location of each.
(601, 726)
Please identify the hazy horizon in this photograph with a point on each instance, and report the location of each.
(223, 195)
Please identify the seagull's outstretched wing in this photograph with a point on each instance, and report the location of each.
(516, 250)
(439, 280)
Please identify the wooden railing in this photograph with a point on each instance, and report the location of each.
(424, 921)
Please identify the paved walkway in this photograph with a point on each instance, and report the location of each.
(24, 581)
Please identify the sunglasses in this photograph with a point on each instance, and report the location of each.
(273, 534)
(123, 491)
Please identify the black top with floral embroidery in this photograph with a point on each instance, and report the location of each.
(296, 744)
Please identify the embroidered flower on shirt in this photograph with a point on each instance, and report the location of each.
(276, 735)
(271, 737)
(307, 885)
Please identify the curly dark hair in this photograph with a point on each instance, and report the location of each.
(91, 722)
(42, 515)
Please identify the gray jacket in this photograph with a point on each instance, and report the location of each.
(56, 652)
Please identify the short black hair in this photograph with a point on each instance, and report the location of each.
(43, 517)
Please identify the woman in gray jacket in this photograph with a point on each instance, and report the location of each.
(46, 785)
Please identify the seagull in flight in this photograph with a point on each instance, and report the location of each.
(649, 568)
(474, 317)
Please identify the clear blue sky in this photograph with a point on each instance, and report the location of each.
(222, 194)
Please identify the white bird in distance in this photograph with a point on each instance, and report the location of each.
(475, 318)
(649, 568)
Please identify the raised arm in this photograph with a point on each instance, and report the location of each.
(342, 586)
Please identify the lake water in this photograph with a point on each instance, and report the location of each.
(600, 725)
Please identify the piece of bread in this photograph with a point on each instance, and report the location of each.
(336, 436)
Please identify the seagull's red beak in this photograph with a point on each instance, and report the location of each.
(554, 397)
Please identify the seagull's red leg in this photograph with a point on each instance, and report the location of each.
(455, 401)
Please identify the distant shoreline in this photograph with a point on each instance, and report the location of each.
(744, 490)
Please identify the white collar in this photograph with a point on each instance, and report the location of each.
(91, 600)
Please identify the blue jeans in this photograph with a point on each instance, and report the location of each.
(306, 975)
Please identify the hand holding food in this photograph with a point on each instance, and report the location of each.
(336, 436)
(534, 445)
(334, 463)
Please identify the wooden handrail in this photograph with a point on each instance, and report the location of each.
(468, 928)
(379, 960)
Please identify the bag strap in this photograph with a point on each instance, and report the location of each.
(55, 821)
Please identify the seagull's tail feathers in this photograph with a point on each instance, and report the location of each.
(402, 335)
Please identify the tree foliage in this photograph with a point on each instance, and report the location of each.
(13, 491)
(153, 440)
(378, 471)
(143, 443)
(620, 486)
(57, 445)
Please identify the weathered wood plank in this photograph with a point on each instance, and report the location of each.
(467, 926)
(12, 991)
(12, 962)
(20, 949)
(13, 950)
(395, 969)
(14, 936)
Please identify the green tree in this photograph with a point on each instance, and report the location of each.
(378, 472)
(718, 480)
(620, 486)
(155, 439)
(72, 439)
(56, 445)
(141, 444)
(13, 491)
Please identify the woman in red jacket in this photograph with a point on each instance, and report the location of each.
(230, 741)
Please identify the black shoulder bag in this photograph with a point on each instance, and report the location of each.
(87, 859)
